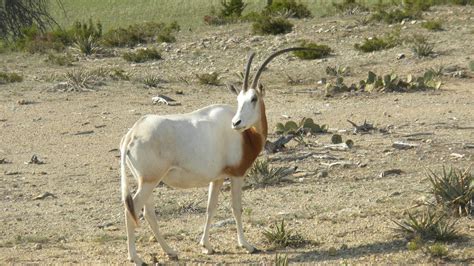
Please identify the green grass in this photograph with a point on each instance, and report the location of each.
(188, 14)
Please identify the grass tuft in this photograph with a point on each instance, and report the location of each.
(433, 25)
(428, 226)
(317, 51)
(454, 189)
(266, 25)
(421, 47)
(280, 237)
(6, 77)
(142, 55)
(388, 41)
(262, 174)
(209, 79)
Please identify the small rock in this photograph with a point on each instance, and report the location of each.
(332, 251)
(224, 222)
(44, 195)
(34, 160)
(12, 173)
(400, 56)
(404, 145)
(38, 246)
(322, 174)
(391, 172)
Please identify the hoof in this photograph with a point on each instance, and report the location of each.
(172, 256)
(255, 251)
(207, 251)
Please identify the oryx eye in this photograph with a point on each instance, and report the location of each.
(254, 99)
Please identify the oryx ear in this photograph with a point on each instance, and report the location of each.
(260, 89)
(232, 89)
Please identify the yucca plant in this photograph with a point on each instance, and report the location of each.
(279, 236)
(262, 174)
(454, 189)
(428, 226)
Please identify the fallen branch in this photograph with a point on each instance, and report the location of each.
(278, 145)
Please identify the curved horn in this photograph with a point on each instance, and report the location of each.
(270, 58)
(247, 71)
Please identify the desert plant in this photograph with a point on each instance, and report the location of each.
(7, 77)
(281, 260)
(266, 25)
(454, 189)
(420, 46)
(428, 226)
(152, 81)
(33, 40)
(140, 33)
(438, 250)
(387, 41)
(433, 25)
(232, 8)
(142, 55)
(60, 59)
(297, 10)
(15, 15)
(280, 237)
(395, 15)
(350, 7)
(336, 139)
(82, 80)
(305, 126)
(317, 51)
(261, 174)
(209, 78)
(338, 71)
(471, 65)
(86, 37)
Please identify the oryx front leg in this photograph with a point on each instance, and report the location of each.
(214, 189)
(237, 183)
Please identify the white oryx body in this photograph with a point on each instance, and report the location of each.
(195, 150)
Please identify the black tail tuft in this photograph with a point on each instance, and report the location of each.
(130, 208)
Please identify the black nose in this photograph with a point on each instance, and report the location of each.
(236, 123)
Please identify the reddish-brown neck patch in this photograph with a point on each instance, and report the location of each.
(253, 140)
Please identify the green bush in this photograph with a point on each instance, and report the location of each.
(396, 15)
(209, 79)
(349, 6)
(233, 8)
(140, 33)
(6, 77)
(388, 41)
(60, 59)
(297, 10)
(142, 55)
(317, 51)
(266, 25)
(433, 25)
(420, 46)
(34, 41)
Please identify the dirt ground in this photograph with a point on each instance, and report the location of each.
(347, 215)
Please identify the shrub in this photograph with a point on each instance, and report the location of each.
(433, 25)
(349, 7)
(429, 226)
(454, 189)
(233, 8)
(396, 15)
(6, 77)
(438, 250)
(86, 37)
(152, 81)
(297, 10)
(266, 25)
(262, 174)
(34, 41)
(317, 51)
(60, 59)
(142, 55)
(140, 33)
(209, 78)
(379, 43)
(82, 80)
(280, 237)
(420, 46)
